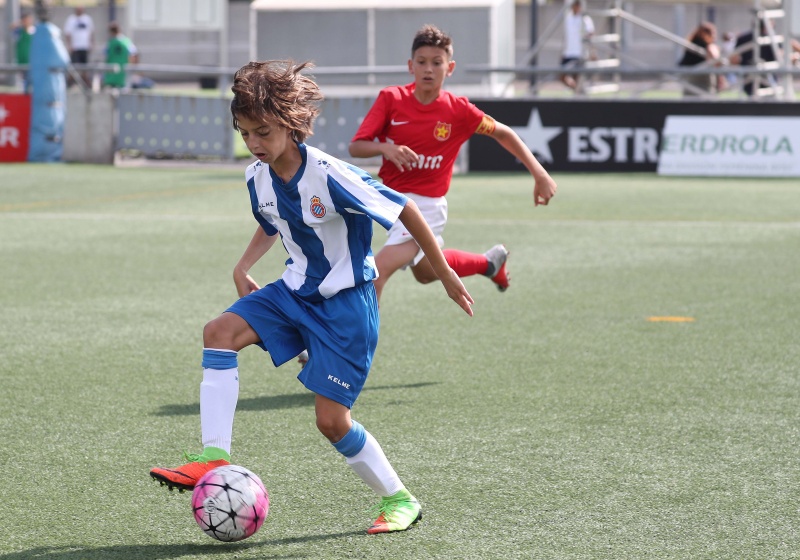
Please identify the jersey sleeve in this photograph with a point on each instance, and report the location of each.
(474, 119)
(355, 190)
(374, 122)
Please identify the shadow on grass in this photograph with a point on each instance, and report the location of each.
(273, 402)
(167, 551)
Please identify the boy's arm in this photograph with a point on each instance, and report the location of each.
(402, 156)
(259, 245)
(544, 187)
(418, 228)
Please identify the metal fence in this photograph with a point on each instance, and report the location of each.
(157, 125)
(182, 126)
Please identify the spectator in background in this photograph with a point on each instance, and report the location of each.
(745, 43)
(728, 48)
(79, 37)
(23, 32)
(120, 50)
(578, 28)
(704, 37)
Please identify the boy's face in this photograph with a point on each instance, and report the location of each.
(430, 66)
(267, 140)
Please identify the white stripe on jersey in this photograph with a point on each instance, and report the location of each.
(324, 215)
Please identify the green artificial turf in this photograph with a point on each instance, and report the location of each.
(560, 422)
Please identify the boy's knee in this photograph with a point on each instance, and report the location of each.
(424, 276)
(214, 333)
(332, 428)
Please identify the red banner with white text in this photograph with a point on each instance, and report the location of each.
(15, 121)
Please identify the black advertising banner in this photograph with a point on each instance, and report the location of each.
(628, 135)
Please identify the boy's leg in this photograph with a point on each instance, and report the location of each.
(219, 393)
(434, 210)
(491, 264)
(398, 509)
(497, 258)
(392, 258)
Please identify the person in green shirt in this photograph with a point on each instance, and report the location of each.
(23, 34)
(120, 50)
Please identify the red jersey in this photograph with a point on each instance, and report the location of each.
(435, 132)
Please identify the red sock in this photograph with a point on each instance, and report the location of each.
(466, 264)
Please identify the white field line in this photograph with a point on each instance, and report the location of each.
(122, 217)
(88, 216)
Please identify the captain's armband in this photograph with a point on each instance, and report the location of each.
(486, 126)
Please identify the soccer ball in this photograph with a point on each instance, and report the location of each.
(230, 503)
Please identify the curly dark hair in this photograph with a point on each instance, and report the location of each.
(432, 36)
(276, 89)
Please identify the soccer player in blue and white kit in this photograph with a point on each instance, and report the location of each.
(325, 301)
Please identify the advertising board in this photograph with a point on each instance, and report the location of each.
(15, 122)
(626, 135)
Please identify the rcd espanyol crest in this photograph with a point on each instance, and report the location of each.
(318, 209)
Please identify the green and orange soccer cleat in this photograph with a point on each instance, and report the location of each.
(186, 476)
(398, 512)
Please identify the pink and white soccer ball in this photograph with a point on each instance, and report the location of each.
(230, 503)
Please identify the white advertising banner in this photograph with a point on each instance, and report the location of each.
(730, 146)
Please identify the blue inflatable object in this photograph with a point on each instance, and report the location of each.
(48, 63)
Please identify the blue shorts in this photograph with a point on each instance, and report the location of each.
(340, 333)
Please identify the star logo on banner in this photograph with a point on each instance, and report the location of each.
(3, 113)
(538, 137)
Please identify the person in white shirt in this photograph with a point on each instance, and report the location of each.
(578, 27)
(79, 35)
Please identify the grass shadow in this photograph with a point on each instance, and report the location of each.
(274, 402)
(167, 551)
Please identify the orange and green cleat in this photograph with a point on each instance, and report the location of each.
(398, 512)
(186, 476)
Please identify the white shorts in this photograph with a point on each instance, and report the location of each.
(434, 210)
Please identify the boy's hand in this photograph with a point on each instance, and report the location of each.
(457, 292)
(245, 284)
(402, 156)
(543, 190)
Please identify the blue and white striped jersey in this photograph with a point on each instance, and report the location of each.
(324, 216)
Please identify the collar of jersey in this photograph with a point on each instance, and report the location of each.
(291, 185)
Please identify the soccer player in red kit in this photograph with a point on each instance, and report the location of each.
(419, 129)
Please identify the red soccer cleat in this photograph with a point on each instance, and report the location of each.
(186, 476)
(496, 271)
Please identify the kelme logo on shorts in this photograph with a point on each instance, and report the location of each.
(318, 209)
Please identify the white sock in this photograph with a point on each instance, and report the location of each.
(374, 468)
(219, 393)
